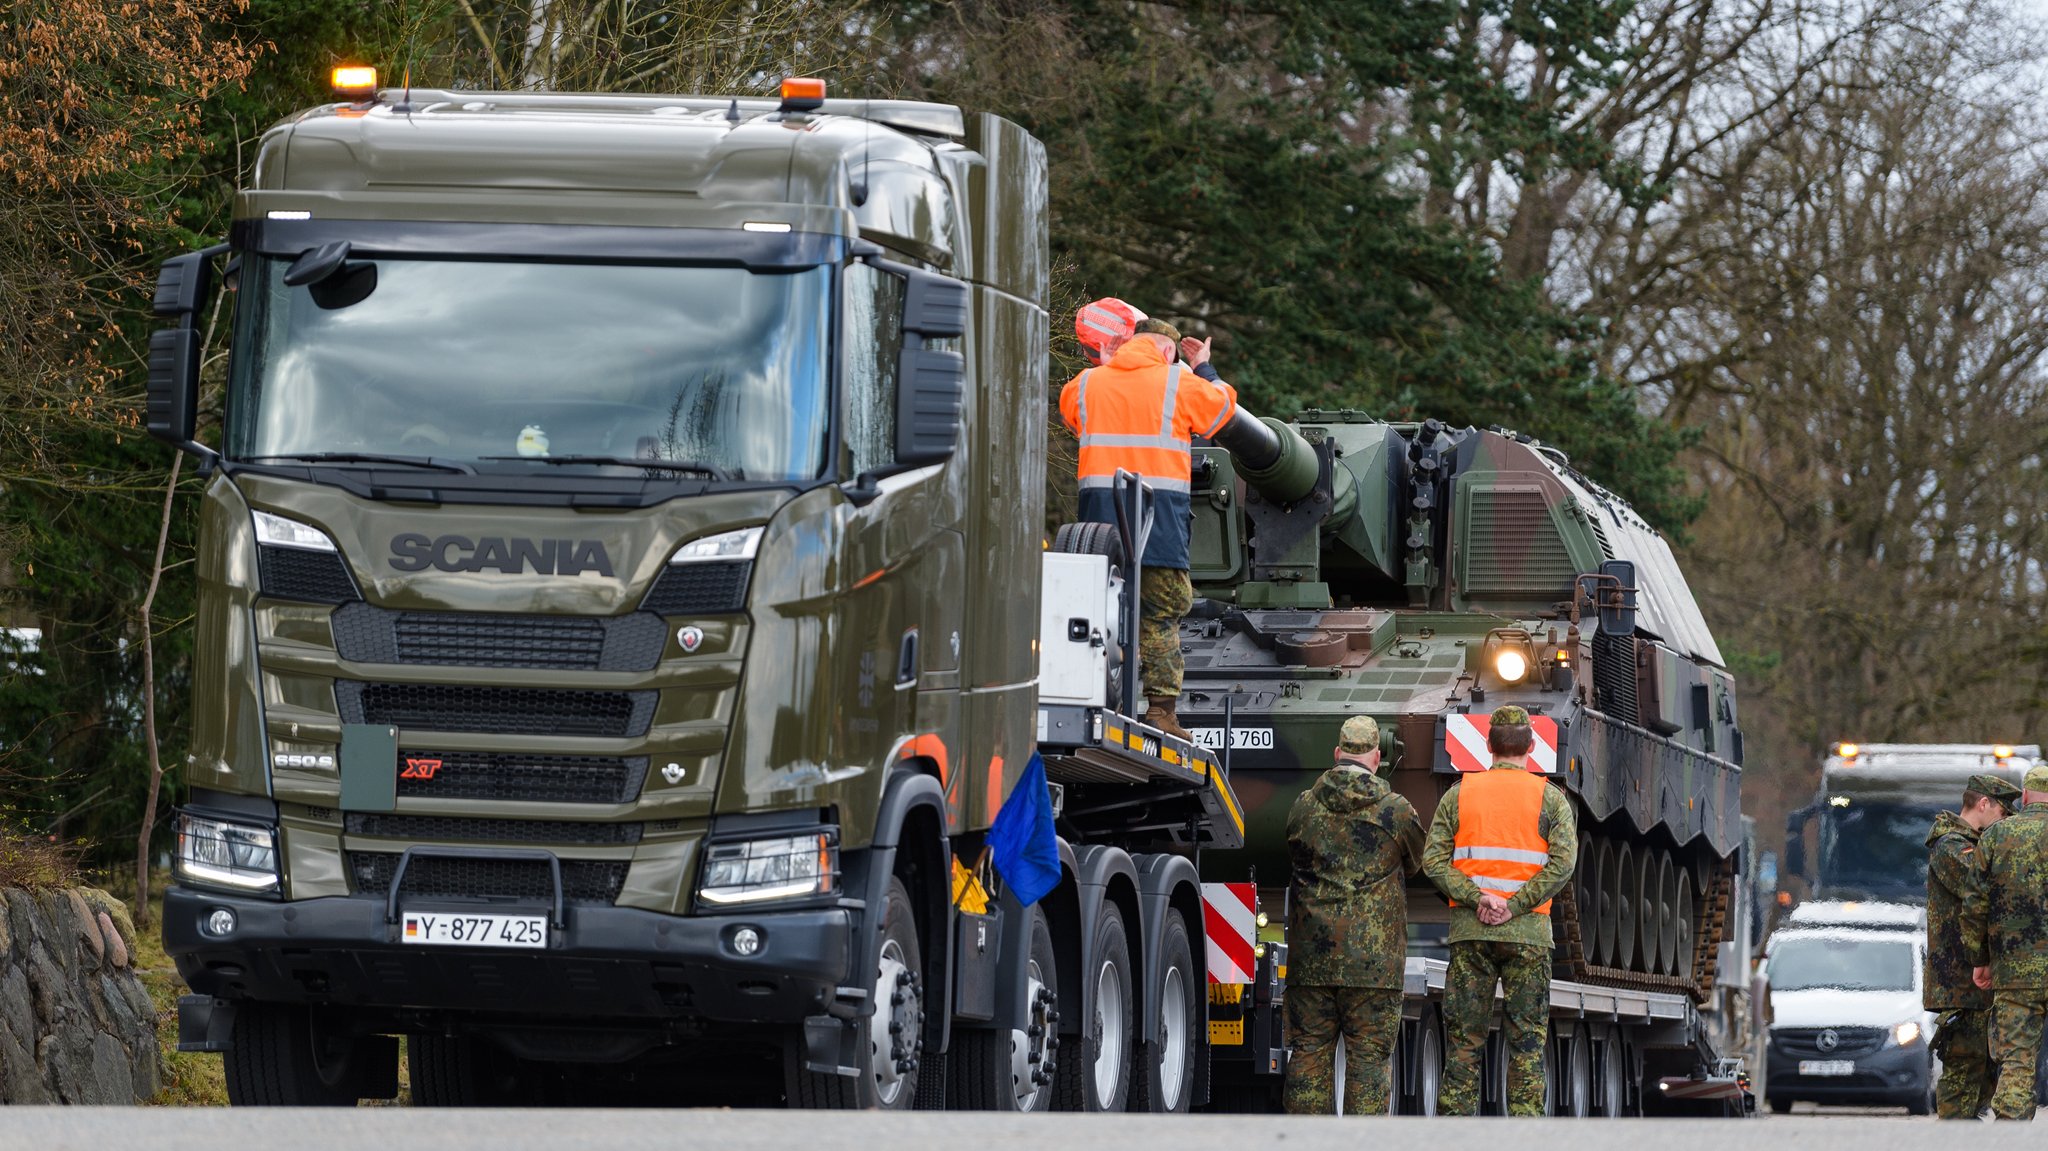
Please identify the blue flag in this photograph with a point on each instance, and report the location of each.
(1021, 842)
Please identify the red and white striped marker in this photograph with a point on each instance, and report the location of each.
(1229, 919)
(1465, 739)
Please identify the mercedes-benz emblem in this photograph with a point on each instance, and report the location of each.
(1828, 1040)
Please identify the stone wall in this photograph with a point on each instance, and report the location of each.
(76, 1025)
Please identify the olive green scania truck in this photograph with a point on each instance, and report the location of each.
(620, 623)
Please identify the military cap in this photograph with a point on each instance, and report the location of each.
(2037, 778)
(1996, 787)
(1509, 716)
(1158, 327)
(1359, 735)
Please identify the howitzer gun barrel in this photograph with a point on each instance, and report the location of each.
(1271, 456)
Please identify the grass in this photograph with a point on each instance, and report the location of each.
(190, 1080)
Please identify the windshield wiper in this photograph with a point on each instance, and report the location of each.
(365, 458)
(712, 470)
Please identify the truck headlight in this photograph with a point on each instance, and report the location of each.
(735, 545)
(217, 853)
(787, 867)
(1906, 1034)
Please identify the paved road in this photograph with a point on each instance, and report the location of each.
(394, 1129)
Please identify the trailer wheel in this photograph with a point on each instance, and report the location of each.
(1429, 1064)
(1493, 1073)
(279, 1059)
(1100, 1079)
(1610, 1098)
(895, 1030)
(1168, 1078)
(1578, 1066)
(1008, 1070)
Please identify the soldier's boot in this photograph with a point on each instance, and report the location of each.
(1161, 715)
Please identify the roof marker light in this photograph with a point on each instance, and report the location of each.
(1847, 750)
(2001, 750)
(354, 82)
(764, 226)
(802, 94)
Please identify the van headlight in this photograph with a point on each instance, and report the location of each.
(1906, 1034)
(222, 854)
(758, 870)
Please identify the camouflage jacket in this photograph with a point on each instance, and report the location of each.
(1951, 858)
(2005, 907)
(1556, 824)
(1353, 843)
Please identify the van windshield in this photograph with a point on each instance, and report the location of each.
(465, 361)
(1845, 963)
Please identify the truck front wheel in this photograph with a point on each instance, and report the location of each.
(895, 1030)
(280, 1059)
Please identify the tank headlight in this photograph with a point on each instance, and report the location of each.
(1510, 664)
(1906, 1034)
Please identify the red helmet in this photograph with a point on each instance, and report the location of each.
(1106, 324)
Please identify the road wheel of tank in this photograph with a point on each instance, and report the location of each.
(1011, 1070)
(895, 1030)
(1668, 870)
(1421, 1093)
(1650, 916)
(1578, 1070)
(278, 1060)
(1628, 888)
(1166, 1081)
(1587, 877)
(1099, 1078)
(460, 1071)
(1610, 1084)
(1682, 917)
(1599, 941)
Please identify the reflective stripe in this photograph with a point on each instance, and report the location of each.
(1106, 440)
(1166, 405)
(1510, 854)
(1221, 420)
(1153, 482)
(1087, 320)
(1081, 400)
(1489, 883)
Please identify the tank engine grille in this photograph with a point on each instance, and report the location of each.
(430, 877)
(1522, 553)
(535, 778)
(497, 710)
(297, 573)
(716, 588)
(459, 829)
(366, 634)
(1614, 677)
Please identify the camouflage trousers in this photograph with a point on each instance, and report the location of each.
(2016, 1017)
(1164, 596)
(1368, 1019)
(1962, 1038)
(1523, 972)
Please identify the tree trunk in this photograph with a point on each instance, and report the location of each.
(156, 766)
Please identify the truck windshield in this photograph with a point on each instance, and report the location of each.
(1845, 964)
(465, 361)
(1876, 848)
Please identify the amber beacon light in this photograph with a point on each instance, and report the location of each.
(802, 94)
(354, 82)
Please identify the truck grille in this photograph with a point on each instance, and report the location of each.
(296, 573)
(366, 634)
(583, 880)
(716, 588)
(1804, 1042)
(459, 829)
(535, 778)
(497, 710)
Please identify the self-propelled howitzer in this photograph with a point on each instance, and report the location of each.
(1424, 576)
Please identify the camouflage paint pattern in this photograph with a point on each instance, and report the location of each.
(1962, 1039)
(2005, 908)
(2016, 1021)
(1164, 597)
(1353, 843)
(1951, 853)
(1368, 1020)
(1523, 974)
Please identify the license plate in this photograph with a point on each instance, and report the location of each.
(1242, 738)
(1827, 1067)
(457, 930)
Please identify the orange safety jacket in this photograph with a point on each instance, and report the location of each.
(1498, 845)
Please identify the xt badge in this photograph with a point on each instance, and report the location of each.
(691, 638)
(673, 773)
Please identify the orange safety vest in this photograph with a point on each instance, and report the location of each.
(1498, 845)
(1140, 413)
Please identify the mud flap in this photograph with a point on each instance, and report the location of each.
(205, 1023)
(833, 1046)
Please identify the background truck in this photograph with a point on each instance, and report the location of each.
(1864, 835)
(619, 624)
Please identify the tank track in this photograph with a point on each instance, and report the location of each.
(1710, 927)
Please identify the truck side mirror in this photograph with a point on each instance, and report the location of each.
(184, 286)
(931, 383)
(1795, 840)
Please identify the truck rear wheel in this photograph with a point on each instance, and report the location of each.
(1166, 1078)
(280, 1059)
(1100, 1079)
(895, 1030)
(1010, 1070)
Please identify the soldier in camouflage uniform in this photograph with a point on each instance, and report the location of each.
(2005, 931)
(1353, 843)
(1962, 1034)
(1499, 863)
